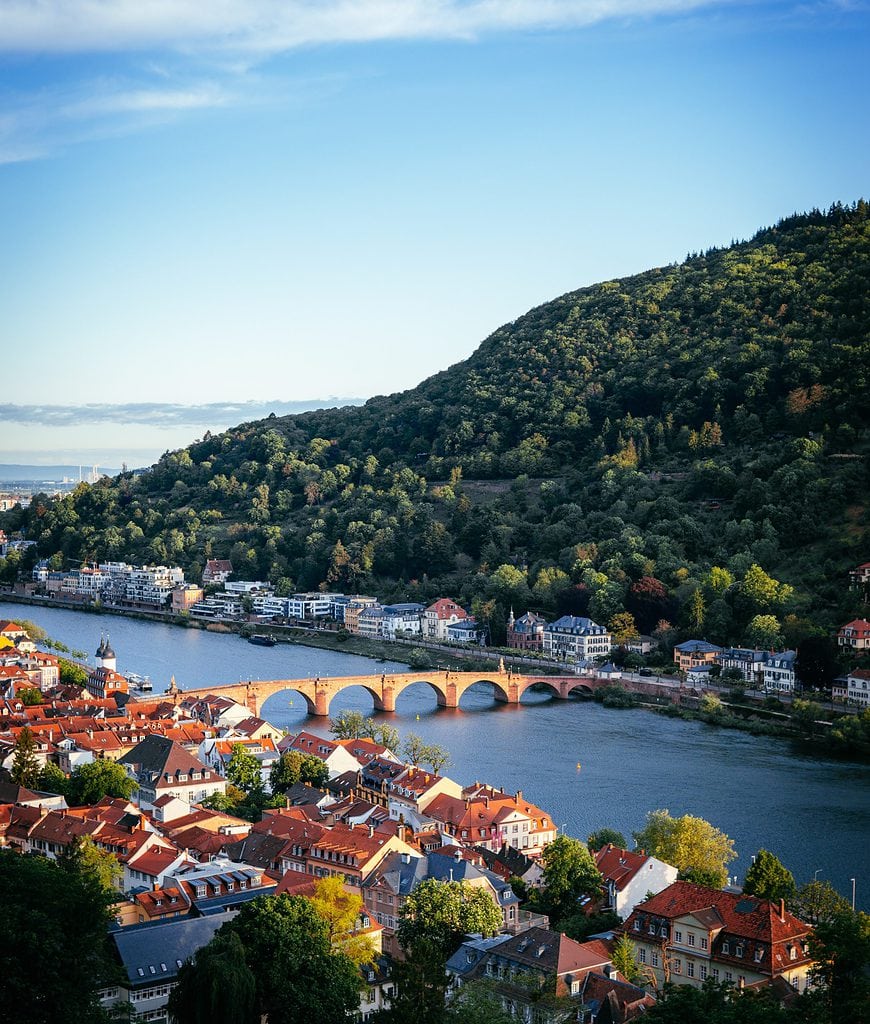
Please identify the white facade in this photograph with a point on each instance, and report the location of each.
(779, 672)
(313, 605)
(576, 639)
(858, 687)
(153, 584)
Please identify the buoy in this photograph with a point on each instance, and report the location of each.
(418, 718)
(578, 766)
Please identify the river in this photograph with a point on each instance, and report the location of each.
(589, 766)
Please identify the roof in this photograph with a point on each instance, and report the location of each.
(617, 865)
(698, 647)
(156, 756)
(156, 951)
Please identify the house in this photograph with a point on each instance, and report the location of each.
(527, 632)
(532, 973)
(609, 999)
(641, 644)
(13, 632)
(688, 933)
(160, 766)
(629, 876)
(695, 652)
(184, 598)
(855, 635)
(574, 638)
(150, 957)
(354, 609)
(333, 753)
(489, 818)
(779, 672)
(699, 675)
(860, 576)
(217, 570)
(466, 631)
(412, 791)
(439, 615)
(351, 851)
(749, 663)
(858, 687)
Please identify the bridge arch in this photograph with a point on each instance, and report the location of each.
(262, 694)
(336, 688)
(553, 687)
(441, 689)
(501, 695)
(581, 688)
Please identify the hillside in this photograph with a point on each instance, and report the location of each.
(604, 451)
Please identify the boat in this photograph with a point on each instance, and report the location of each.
(141, 683)
(262, 640)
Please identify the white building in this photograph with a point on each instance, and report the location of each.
(779, 674)
(153, 584)
(314, 605)
(576, 639)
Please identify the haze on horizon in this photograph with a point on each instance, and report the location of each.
(270, 203)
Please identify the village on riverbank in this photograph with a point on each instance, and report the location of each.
(194, 808)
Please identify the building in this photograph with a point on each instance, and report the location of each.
(576, 639)
(183, 598)
(695, 652)
(160, 767)
(439, 615)
(779, 672)
(466, 631)
(527, 632)
(855, 635)
(858, 687)
(153, 584)
(217, 570)
(688, 933)
(749, 663)
(630, 876)
(354, 609)
(859, 577)
(314, 605)
(484, 817)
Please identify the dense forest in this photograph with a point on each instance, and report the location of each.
(689, 444)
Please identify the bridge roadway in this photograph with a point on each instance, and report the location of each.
(449, 687)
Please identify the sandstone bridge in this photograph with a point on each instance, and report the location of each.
(508, 688)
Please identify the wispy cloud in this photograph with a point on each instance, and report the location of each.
(216, 415)
(272, 26)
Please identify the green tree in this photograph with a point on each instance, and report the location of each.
(623, 628)
(443, 912)
(243, 770)
(817, 901)
(349, 725)
(840, 947)
(216, 986)
(696, 611)
(698, 850)
(414, 748)
(603, 836)
(30, 696)
(292, 767)
(89, 783)
(769, 878)
(435, 756)
(71, 674)
(625, 958)
(476, 1003)
(52, 779)
(52, 942)
(25, 764)
(715, 1003)
(569, 872)
(300, 978)
(763, 591)
(85, 858)
(764, 633)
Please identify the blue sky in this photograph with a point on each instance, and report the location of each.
(266, 202)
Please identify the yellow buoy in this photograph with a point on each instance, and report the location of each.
(418, 718)
(578, 766)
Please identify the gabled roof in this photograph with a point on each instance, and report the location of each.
(157, 757)
(617, 865)
(155, 952)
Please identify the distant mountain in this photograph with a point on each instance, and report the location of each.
(601, 453)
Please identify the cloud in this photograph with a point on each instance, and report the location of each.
(216, 415)
(273, 26)
(144, 101)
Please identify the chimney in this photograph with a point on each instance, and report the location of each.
(486, 801)
(782, 911)
(519, 795)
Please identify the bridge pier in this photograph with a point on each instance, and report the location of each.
(387, 702)
(321, 702)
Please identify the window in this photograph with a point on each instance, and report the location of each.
(678, 936)
(726, 948)
(654, 959)
(690, 969)
(641, 956)
(738, 951)
(729, 977)
(637, 924)
(703, 942)
(715, 972)
(691, 938)
(702, 972)
(678, 966)
(792, 952)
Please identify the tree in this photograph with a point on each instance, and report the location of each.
(476, 1003)
(414, 748)
(696, 611)
(817, 664)
(243, 770)
(340, 909)
(715, 1003)
(763, 591)
(52, 942)
(764, 633)
(622, 627)
(349, 725)
(216, 986)
(698, 850)
(769, 879)
(840, 947)
(817, 901)
(625, 959)
(569, 872)
(30, 696)
(299, 978)
(604, 836)
(71, 674)
(435, 756)
(85, 858)
(385, 734)
(52, 779)
(293, 767)
(89, 783)
(25, 764)
(443, 912)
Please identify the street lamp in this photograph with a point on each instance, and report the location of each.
(852, 880)
(816, 874)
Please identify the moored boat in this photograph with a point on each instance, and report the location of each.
(261, 640)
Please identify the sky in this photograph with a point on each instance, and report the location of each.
(214, 210)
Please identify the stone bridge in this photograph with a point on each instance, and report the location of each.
(449, 686)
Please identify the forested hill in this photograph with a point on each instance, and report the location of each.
(604, 451)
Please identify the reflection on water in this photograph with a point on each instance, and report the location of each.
(762, 792)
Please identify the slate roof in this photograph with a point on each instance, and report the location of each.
(151, 952)
(157, 756)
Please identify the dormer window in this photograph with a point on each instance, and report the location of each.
(726, 948)
(738, 951)
(792, 952)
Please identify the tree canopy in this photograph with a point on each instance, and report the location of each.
(569, 872)
(696, 848)
(769, 878)
(89, 783)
